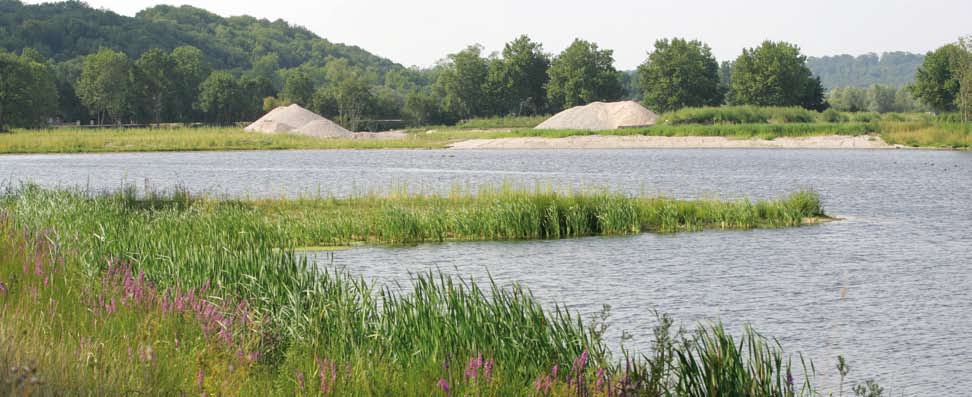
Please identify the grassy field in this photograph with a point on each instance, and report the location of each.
(117, 294)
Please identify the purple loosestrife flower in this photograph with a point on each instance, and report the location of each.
(472, 370)
(3, 288)
(300, 379)
(488, 370)
(600, 378)
(444, 385)
(201, 378)
(789, 378)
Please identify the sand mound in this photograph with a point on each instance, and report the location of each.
(324, 128)
(297, 120)
(599, 116)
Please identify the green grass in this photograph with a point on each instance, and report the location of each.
(182, 139)
(953, 135)
(777, 115)
(168, 294)
(503, 213)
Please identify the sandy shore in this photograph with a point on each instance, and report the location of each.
(645, 142)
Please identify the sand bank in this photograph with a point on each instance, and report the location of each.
(646, 142)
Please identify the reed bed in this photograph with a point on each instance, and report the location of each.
(951, 135)
(501, 213)
(116, 294)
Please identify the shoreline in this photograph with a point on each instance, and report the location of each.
(678, 142)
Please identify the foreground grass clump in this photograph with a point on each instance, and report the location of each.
(97, 308)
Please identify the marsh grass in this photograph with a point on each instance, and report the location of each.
(502, 213)
(953, 135)
(91, 285)
(181, 139)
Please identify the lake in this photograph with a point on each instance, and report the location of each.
(889, 287)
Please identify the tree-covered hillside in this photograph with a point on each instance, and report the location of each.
(66, 30)
(895, 69)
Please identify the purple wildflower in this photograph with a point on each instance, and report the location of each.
(201, 378)
(472, 370)
(3, 288)
(789, 378)
(488, 370)
(600, 378)
(300, 379)
(444, 385)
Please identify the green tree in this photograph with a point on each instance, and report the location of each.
(725, 76)
(423, 108)
(27, 91)
(354, 101)
(266, 66)
(325, 103)
(521, 76)
(252, 91)
(105, 86)
(66, 75)
(462, 83)
(154, 79)
(582, 74)
(881, 98)
(937, 82)
(191, 70)
(905, 102)
(848, 99)
(775, 74)
(964, 71)
(219, 97)
(299, 88)
(680, 73)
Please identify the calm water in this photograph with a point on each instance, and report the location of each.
(903, 252)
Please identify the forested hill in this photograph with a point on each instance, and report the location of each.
(894, 69)
(66, 30)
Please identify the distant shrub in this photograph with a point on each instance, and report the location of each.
(865, 117)
(832, 116)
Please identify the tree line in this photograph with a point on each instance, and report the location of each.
(894, 69)
(181, 86)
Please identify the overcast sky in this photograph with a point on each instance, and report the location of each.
(420, 32)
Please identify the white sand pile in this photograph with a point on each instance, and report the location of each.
(324, 128)
(598, 116)
(297, 120)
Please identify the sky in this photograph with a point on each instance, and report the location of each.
(421, 32)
